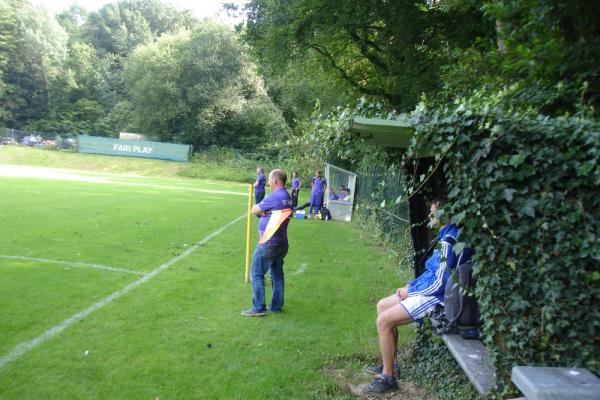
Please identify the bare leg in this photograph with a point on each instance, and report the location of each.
(391, 301)
(387, 321)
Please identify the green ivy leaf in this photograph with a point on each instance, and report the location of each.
(459, 247)
(508, 194)
(529, 208)
(516, 160)
(457, 219)
(454, 192)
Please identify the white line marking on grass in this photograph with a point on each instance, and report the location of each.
(73, 264)
(180, 188)
(24, 347)
(80, 176)
(300, 270)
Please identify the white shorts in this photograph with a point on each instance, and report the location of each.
(419, 306)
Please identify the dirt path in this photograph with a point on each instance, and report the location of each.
(354, 382)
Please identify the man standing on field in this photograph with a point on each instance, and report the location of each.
(259, 185)
(274, 212)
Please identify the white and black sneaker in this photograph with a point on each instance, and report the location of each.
(251, 313)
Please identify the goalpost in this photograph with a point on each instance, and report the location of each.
(339, 195)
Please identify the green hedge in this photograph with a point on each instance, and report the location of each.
(525, 187)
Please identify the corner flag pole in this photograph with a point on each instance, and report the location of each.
(248, 230)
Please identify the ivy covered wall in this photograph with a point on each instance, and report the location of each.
(525, 188)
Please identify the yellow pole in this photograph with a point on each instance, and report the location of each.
(248, 231)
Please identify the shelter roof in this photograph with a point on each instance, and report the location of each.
(385, 133)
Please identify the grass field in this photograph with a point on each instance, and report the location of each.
(206, 165)
(106, 296)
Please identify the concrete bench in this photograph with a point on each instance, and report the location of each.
(552, 383)
(474, 359)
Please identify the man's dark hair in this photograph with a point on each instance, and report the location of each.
(440, 201)
(280, 175)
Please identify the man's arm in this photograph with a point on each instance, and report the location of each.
(256, 210)
(402, 292)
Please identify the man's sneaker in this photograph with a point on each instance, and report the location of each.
(251, 313)
(378, 369)
(381, 385)
(269, 309)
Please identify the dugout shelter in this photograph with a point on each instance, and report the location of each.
(397, 134)
(339, 194)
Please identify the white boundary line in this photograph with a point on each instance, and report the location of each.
(74, 264)
(24, 347)
(300, 270)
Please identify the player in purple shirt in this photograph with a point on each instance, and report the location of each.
(274, 212)
(295, 188)
(316, 197)
(259, 185)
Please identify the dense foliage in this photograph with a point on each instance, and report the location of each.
(388, 49)
(524, 186)
(206, 88)
(549, 48)
(132, 66)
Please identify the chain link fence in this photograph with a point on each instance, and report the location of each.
(382, 209)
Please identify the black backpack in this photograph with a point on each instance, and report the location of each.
(460, 312)
(325, 214)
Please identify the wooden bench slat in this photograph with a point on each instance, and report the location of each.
(474, 359)
(556, 383)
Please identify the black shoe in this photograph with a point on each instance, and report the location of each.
(374, 369)
(381, 385)
(378, 370)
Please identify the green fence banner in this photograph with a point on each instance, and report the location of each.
(133, 148)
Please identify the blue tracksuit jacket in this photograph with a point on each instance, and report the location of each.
(432, 282)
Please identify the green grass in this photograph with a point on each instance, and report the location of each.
(179, 335)
(225, 165)
(23, 155)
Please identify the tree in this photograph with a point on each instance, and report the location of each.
(36, 46)
(389, 50)
(302, 85)
(8, 35)
(72, 19)
(202, 83)
(550, 49)
(120, 27)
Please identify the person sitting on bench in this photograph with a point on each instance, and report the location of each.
(412, 302)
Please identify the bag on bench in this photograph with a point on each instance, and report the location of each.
(460, 312)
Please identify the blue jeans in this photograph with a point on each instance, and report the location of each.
(258, 196)
(267, 258)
